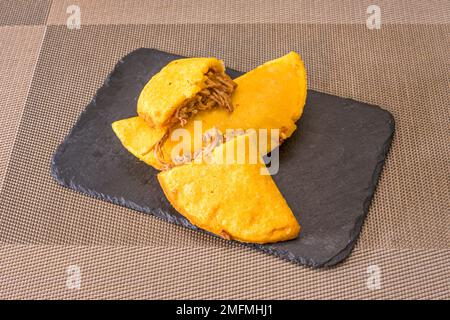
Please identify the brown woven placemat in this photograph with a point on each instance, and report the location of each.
(401, 67)
(19, 49)
(137, 272)
(250, 11)
(24, 12)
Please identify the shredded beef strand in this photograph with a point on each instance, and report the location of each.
(159, 155)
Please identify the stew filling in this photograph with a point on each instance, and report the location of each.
(217, 93)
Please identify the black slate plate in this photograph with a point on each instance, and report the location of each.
(328, 169)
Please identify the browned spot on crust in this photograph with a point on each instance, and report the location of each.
(225, 235)
(283, 135)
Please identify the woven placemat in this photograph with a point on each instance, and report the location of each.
(19, 50)
(249, 11)
(24, 12)
(138, 272)
(402, 67)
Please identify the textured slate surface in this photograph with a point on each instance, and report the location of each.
(328, 169)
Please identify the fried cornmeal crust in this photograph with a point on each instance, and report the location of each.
(234, 201)
(183, 88)
(138, 138)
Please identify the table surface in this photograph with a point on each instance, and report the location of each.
(50, 72)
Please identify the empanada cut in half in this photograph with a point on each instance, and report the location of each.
(272, 96)
(232, 200)
(183, 88)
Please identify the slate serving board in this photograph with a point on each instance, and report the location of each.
(328, 169)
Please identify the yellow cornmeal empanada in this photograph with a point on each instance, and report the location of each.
(272, 96)
(232, 200)
(182, 88)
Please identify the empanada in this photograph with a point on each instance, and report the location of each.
(182, 88)
(233, 200)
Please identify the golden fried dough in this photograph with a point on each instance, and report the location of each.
(232, 200)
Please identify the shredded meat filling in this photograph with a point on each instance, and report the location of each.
(159, 154)
(211, 139)
(217, 93)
